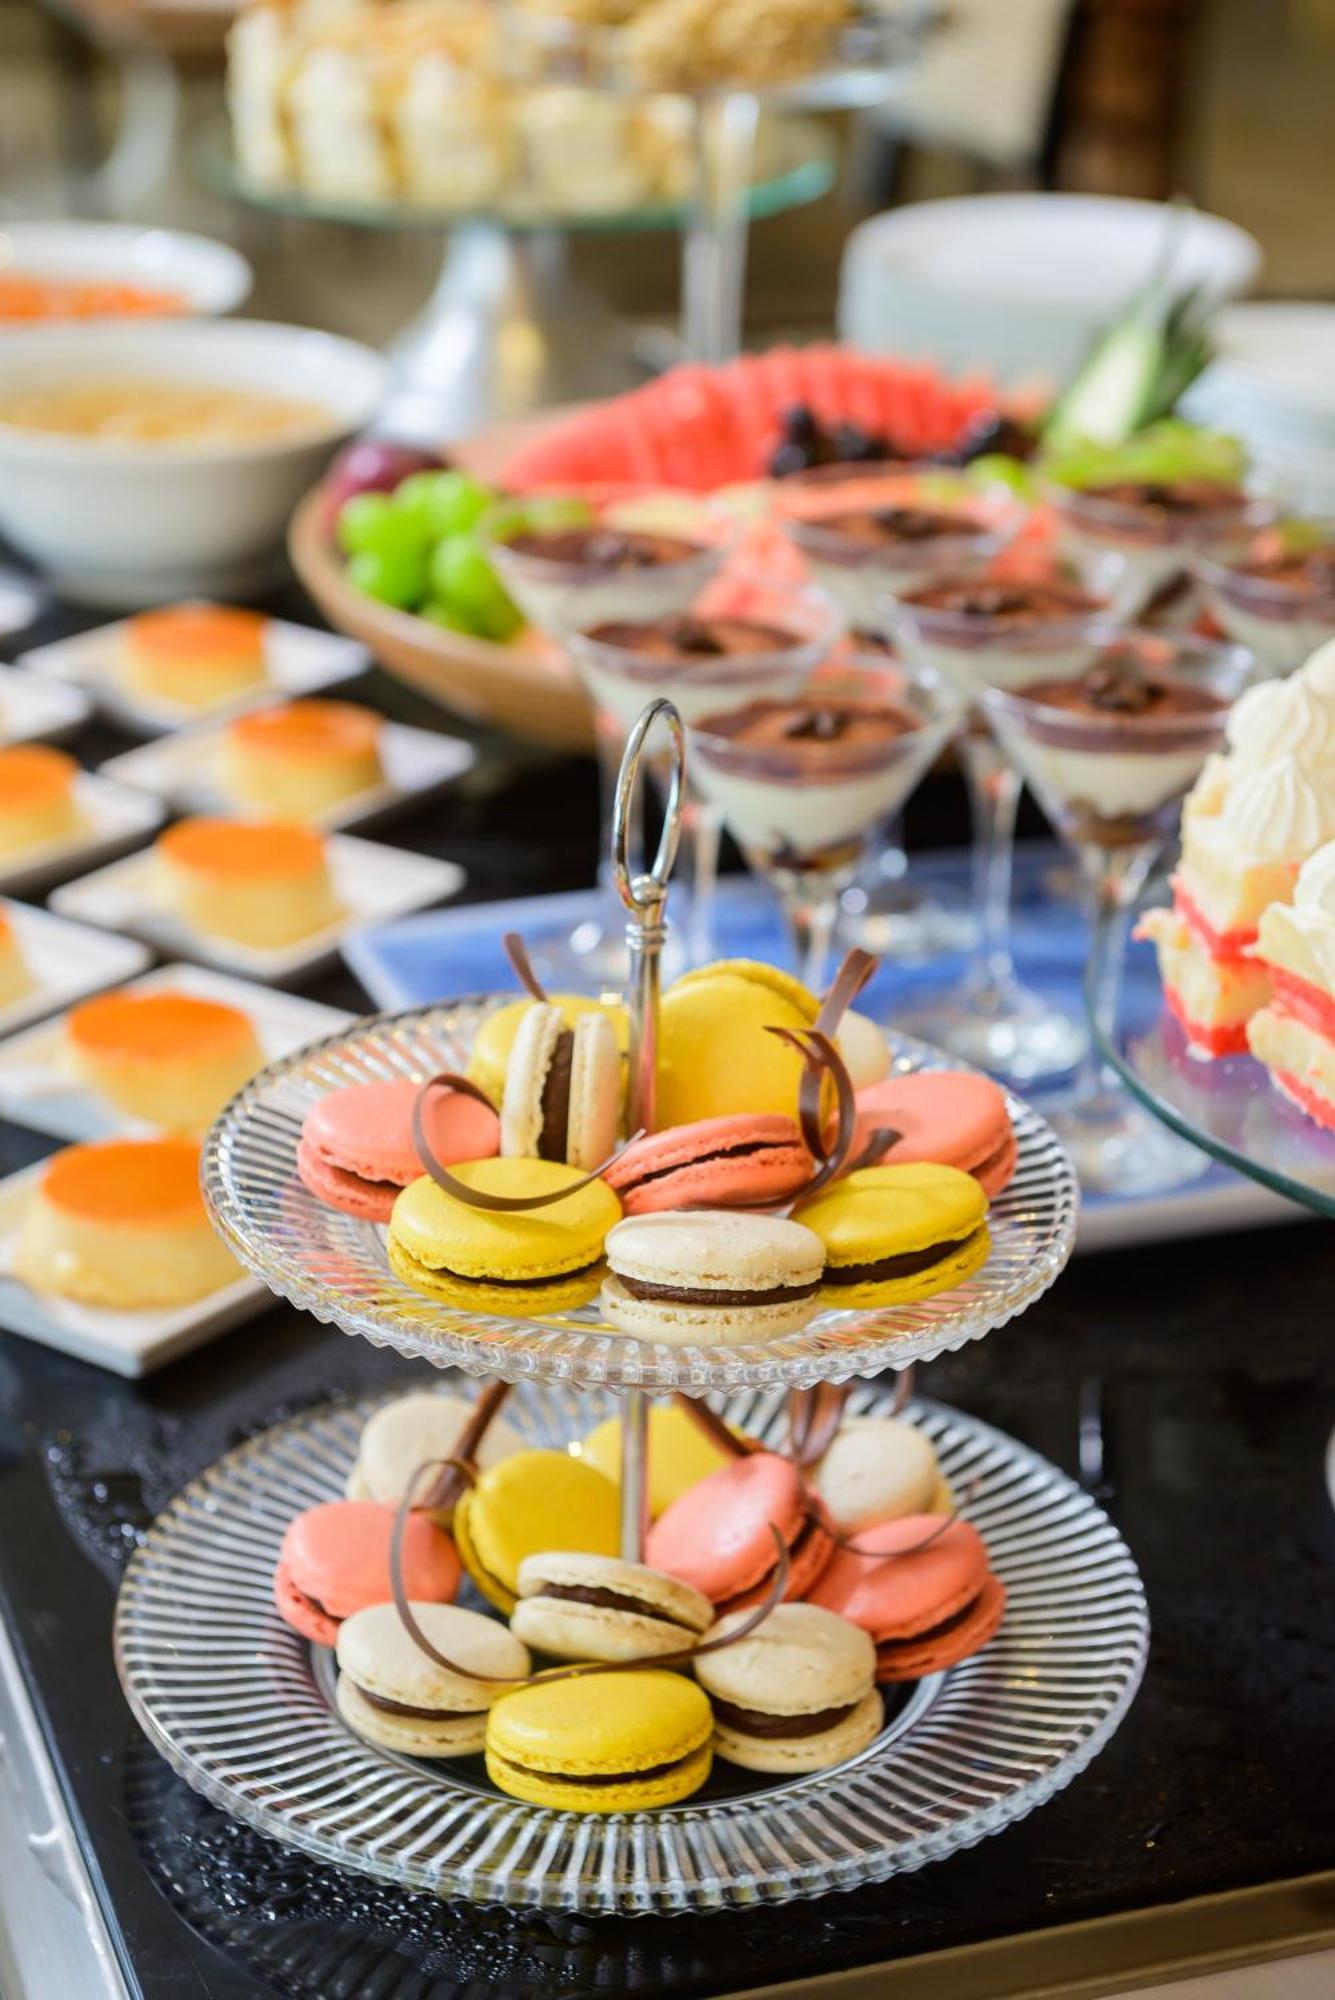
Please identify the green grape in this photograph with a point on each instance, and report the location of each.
(448, 503)
(372, 524)
(515, 517)
(462, 575)
(396, 576)
(439, 613)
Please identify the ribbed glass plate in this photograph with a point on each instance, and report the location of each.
(241, 1709)
(335, 1266)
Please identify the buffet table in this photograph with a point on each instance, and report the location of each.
(1204, 1835)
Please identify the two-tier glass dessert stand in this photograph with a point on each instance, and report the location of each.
(243, 1708)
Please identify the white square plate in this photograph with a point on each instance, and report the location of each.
(38, 1086)
(300, 660)
(128, 1343)
(33, 706)
(372, 883)
(65, 962)
(184, 769)
(113, 817)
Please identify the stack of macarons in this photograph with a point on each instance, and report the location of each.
(883, 1586)
(672, 1238)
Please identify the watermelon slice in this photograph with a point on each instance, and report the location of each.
(700, 428)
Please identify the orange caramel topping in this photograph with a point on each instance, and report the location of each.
(179, 631)
(169, 1025)
(126, 1181)
(28, 295)
(32, 774)
(308, 729)
(236, 849)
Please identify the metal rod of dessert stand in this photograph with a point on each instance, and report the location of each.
(645, 898)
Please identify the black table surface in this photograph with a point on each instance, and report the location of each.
(1216, 1367)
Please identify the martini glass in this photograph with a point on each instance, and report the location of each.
(978, 632)
(803, 784)
(1110, 755)
(1156, 529)
(565, 580)
(711, 659)
(1274, 592)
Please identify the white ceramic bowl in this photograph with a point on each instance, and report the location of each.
(131, 524)
(209, 277)
(1020, 285)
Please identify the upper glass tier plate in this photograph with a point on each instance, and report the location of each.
(1228, 1106)
(335, 1266)
(799, 167)
(243, 1708)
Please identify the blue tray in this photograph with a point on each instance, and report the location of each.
(424, 958)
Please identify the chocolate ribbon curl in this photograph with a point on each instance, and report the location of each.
(914, 1548)
(463, 1459)
(814, 1416)
(522, 966)
(854, 972)
(712, 1425)
(500, 1204)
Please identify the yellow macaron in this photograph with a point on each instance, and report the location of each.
(715, 1055)
(532, 1502)
(894, 1234)
(490, 1059)
(680, 1455)
(534, 1261)
(601, 1743)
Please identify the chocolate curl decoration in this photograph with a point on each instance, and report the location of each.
(522, 966)
(853, 974)
(463, 1460)
(396, 1584)
(500, 1204)
(821, 1059)
(712, 1425)
(814, 1415)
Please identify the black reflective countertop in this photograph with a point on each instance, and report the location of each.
(1216, 1366)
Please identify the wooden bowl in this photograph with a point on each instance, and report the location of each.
(527, 689)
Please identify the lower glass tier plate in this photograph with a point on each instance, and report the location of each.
(334, 1266)
(241, 1707)
(1227, 1106)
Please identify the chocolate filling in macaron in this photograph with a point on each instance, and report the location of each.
(595, 1777)
(613, 1600)
(687, 1295)
(759, 1722)
(389, 1707)
(554, 1137)
(902, 1266)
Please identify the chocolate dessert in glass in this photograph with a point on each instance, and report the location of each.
(1110, 755)
(802, 783)
(1274, 592)
(982, 631)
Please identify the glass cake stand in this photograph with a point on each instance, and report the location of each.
(334, 1266)
(242, 1708)
(1228, 1107)
(508, 329)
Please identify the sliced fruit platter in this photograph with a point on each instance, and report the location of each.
(392, 546)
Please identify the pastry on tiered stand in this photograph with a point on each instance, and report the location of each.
(1294, 1036)
(1253, 818)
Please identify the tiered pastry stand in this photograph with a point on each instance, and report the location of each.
(243, 1710)
(508, 329)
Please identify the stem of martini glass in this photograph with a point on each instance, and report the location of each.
(811, 919)
(994, 798)
(1115, 877)
(714, 245)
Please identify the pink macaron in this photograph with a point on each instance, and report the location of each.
(743, 1160)
(717, 1535)
(356, 1149)
(950, 1118)
(335, 1560)
(927, 1608)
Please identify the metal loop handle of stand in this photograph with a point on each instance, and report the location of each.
(642, 894)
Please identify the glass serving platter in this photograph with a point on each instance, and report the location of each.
(1228, 1106)
(798, 167)
(335, 1266)
(241, 1707)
